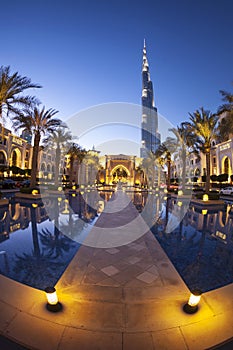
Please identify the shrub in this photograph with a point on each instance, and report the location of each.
(214, 178)
(28, 190)
(212, 195)
(223, 177)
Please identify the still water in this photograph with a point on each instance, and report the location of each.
(38, 240)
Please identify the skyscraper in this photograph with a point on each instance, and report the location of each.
(150, 138)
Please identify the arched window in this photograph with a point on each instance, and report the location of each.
(48, 168)
(226, 165)
(14, 158)
(2, 158)
(43, 167)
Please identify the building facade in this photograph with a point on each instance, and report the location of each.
(150, 137)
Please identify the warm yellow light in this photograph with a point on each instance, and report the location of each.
(204, 211)
(205, 197)
(66, 201)
(51, 295)
(34, 205)
(59, 188)
(82, 192)
(156, 195)
(73, 187)
(165, 190)
(180, 193)
(192, 305)
(59, 199)
(156, 189)
(179, 204)
(73, 194)
(165, 198)
(194, 299)
(52, 300)
(34, 192)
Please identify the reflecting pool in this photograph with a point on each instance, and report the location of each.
(39, 239)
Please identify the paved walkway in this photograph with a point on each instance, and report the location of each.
(119, 292)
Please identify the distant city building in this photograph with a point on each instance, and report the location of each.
(150, 137)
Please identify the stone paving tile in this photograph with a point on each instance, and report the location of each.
(94, 277)
(133, 260)
(7, 314)
(161, 314)
(110, 270)
(112, 251)
(153, 269)
(147, 277)
(128, 274)
(138, 341)
(138, 246)
(108, 282)
(75, 339)
(210, 331)
(28, 331)
(170, 339)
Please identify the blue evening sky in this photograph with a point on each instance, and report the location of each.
(86, 53)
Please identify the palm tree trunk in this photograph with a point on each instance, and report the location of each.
(36, 246)
(207, 185)
(57, 166)
(184, 171)
(35, 159)
(168, 173)
(71, 170)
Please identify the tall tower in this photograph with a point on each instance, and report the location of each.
(150, 138)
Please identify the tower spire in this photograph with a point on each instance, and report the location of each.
(145, 64)
(150, 135)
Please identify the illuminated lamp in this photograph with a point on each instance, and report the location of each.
(156, 189)
(180, 193)
(205, 197)
(34, 192)
(59, 199)
(204, 211)
(59, 188)
(74, 187)
(192, 305)
(179, 204)
(52, 300)
(81, 192)
(73, 195)
(34, 205)
(165, 190)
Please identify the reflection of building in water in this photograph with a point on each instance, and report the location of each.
(17, 216)
(217, 222)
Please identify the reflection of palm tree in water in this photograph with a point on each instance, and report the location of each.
(29, 266)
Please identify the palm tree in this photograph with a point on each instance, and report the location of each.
(75, 152)
(165, 151)
(11, 88)
(59, 139)
(36, 122)
(148, 164)
(225, 127)
(202, 127)
(92, 164)
(185, 146)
